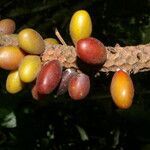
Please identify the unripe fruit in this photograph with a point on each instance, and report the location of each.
(7, 26)
(79, 86)
(66, 76)
(29, 68)
(49, 77)
(31, 41)
(13, 82)
(50, 41)
(80, 25)
(91, 51)
(122, 89)
(10, 57)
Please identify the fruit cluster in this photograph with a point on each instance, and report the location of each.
(24, 63)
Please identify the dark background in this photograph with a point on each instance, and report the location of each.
(95, 123)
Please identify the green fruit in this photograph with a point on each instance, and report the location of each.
(31, 41)
(13, 82)
(80, 25)
(29, 68)
(51, 41)
(10, 57)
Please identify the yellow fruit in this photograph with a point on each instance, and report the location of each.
(80, 25)
(122, 89)
(13, 82)
(10, 57)
(50, 41)
(31, 41)
(7, 26)
(29, 68)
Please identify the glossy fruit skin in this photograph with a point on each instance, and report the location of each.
(10, 57)
(49, 77)
(50, 41)
(79, 86)
(13, 82)
(80, 25)
(31, 41)
(91, 51)
(7, 26)
(29, 68)
(122, 89)
(66, 76)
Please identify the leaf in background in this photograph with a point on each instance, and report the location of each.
(146, 33)
(50, 132)
(83, 134)
(9, 121)
(18, 12)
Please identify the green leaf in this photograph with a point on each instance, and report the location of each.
(9, 121)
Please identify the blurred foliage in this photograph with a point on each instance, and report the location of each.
(93, 124)
(114, 21)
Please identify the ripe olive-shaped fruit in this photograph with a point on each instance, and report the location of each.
(80, 25)
(122, 89)
(66, 76)
(13, 82)
(10, 57)
(50, 41)
(91, 51)
(29, 68)
(34, 92)
(49, 77)
(31, 41)
(79, 86)
(7, 26)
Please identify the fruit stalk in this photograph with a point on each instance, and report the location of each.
(133, 59)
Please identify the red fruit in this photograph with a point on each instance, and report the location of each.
(79, 86)
(7, 26)
(122, 89)
(91, 51)
(67, 74)
(35, 93)
(49, 77)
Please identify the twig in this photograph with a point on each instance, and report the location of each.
(59, 37)
(133, 59)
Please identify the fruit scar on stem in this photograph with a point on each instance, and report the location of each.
(133, 59)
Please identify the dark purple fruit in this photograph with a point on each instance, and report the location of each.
(67, 74)
(79, 86)
(49, 77)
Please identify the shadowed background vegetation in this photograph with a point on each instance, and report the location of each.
(95, 123)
